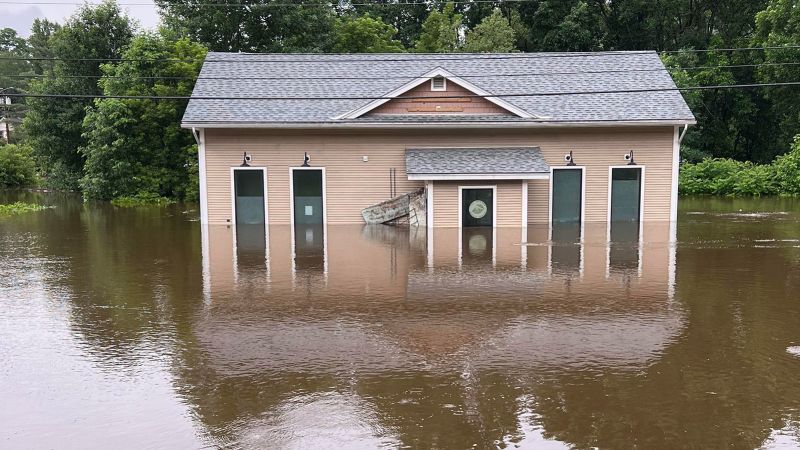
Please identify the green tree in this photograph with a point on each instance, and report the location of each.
(38, 43)
(17, 168)
(94, 35)
(441, 31)
(135, 147)
(406, 18)
(779, 25)
(365, 35)
(493, 34)
(257, 26)
(12, 78)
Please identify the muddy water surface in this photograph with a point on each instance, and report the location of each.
(135, 328)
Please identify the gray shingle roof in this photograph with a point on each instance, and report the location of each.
(475, 161)
(244, 76)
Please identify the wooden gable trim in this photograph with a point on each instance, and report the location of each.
(438, 72)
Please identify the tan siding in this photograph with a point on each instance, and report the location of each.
(353, 185)
(438, 105)
(508, 202)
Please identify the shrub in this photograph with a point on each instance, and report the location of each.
(755, 180)
(17, 168)
(710, 176)
(787, 170)
(735, 178)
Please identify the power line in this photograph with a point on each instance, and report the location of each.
(270, 5)
(364, 58)
(542, 94)
(406, 77)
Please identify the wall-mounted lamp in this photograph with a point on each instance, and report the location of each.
(306, 160)
(629, 158)
(246, 160)
(568, 159)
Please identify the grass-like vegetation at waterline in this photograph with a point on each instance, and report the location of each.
(13, 209)
(143, 199)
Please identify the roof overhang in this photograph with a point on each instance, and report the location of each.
(479, 176)
(439, 125)
(437, 72)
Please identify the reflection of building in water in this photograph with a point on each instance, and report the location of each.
(565, 281)
(379, 310)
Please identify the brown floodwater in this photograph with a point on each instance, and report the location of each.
(137, 328)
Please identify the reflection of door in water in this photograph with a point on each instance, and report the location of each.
(567, 195)
(477, 246)
(309, 247)
(626, 191)
(623, 254)
(307, 189)
(249, 196)
(565, 247)
(477, 207)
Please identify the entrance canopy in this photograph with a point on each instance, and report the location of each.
(486, 163)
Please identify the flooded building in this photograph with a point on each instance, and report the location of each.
(495, 140)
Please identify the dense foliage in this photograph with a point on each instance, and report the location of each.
(54, 125)
(134, 148)
(723, 176)
(17, 168)
(365, 35)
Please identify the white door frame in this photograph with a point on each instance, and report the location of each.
(641, 198)
(461, 226)
(233, 192)
(324, 217)
(583, 197)
(494, 202)
(235, 224)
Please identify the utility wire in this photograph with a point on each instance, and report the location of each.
(271, 5)
(362, 57)
(406, 77)
(542, 94)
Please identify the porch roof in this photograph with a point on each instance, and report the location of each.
(485, 163)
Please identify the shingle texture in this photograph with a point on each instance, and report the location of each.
(563, 78)
(475, 161)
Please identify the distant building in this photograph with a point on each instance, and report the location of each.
(497, 140)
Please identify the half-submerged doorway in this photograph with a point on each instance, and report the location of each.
(308, 218)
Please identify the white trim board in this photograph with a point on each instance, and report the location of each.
(324, 218)
(438, 72)
(479, 176)
(583, 197)
(641, 199)
(440, 125)
(233, 192)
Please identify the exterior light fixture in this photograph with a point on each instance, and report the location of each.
(246, 160)
(568, 159)
(629, 158)
(306, 160)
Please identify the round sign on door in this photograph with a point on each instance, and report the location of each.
(477, 207)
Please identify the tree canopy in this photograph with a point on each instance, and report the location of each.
(92, 36)
(493, 34)
(164, 163)
(365, 34)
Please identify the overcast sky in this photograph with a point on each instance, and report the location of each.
(20, 17)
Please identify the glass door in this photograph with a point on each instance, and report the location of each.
(477, 207)
(248, 185)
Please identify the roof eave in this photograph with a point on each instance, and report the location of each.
(478, 176)
(439, 125)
